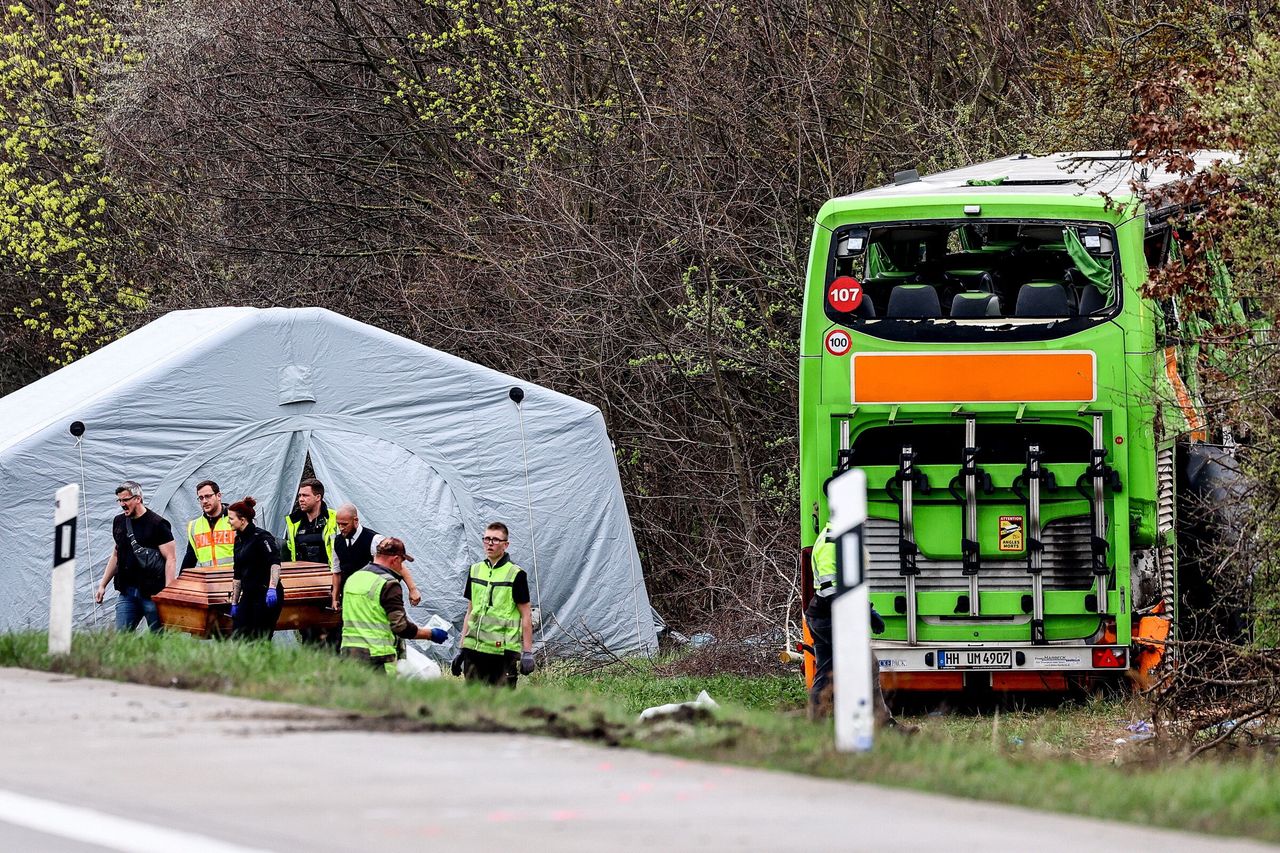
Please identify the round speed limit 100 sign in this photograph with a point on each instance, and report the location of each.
(837, 342)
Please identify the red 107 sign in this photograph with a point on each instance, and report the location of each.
(837, 342)
(845, 294)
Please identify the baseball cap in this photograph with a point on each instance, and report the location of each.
(393, 547)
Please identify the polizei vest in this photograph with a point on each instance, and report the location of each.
(494, 626)
(214, 546)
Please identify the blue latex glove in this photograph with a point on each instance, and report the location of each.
(234, 608)
(272, 597)
(439, 635)
(526, 663)
(877, 622)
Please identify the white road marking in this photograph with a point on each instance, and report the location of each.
(104, 830)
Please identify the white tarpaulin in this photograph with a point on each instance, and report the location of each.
(428, 446)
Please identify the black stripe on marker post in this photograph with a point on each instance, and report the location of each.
(64, 534)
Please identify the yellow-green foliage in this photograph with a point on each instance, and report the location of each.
(494, 92)
(54, 208)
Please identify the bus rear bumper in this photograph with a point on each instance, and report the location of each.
(996, 658)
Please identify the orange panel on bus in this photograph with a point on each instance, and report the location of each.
(973, 377)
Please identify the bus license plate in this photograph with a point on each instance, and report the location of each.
(976, 659)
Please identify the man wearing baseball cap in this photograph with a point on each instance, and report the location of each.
(374, 623)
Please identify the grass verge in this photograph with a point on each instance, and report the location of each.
(1036, 759)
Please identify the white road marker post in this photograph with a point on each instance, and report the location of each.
(66, 511)
(854, 707)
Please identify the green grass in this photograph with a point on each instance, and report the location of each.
(637, 687)
(1058, 759)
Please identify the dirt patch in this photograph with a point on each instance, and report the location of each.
(148, 674)
(535, 721)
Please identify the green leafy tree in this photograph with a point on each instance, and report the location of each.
(60, 246)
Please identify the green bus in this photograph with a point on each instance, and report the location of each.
(976, 341)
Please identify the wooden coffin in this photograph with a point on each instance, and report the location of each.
(199, 601)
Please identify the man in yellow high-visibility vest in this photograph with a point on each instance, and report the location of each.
(374, 623)
(497, 634)
(210, 539)
(308, 536)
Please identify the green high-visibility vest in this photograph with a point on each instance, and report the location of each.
(330, 532)
(494, 625)
(823, 560)
(215, 546)
(365, 624)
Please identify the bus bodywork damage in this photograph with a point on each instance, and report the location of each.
(978, 344)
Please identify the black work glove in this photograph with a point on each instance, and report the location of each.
(877, 622)
(526, 663)
(456, 666)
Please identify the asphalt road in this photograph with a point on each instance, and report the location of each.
(91, 765)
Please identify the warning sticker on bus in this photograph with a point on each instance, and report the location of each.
(1011, 538)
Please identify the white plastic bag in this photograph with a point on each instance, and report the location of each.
(415, 664)
(704, 702)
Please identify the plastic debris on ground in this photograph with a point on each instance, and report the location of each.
(701, 641)
(697, 709)
(415, 664)
(1228, 725)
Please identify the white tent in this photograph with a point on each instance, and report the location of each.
(428, 446)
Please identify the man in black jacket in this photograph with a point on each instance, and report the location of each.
(137, 529)
(309, 534)
(355, 547)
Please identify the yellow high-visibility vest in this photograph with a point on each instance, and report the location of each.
(214, 546)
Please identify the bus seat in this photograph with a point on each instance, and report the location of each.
(866, 308)
(973, 279)
(914, 301)
(1042, 299)
(1091, 300)
(972, 304)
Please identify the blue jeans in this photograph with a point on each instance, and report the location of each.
(132, 607)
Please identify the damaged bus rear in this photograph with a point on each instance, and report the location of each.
(976, 341)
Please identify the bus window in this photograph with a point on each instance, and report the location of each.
(974, 273)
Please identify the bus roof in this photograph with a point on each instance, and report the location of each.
(1070, 173)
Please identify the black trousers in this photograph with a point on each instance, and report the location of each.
(254, 620)
(820, 629)
(499, 670)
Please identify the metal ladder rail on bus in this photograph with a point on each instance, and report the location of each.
(1101, 476)
(971, 475)
(1033, 476)
(906, 479)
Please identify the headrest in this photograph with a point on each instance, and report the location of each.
(1042, 299)
(914, 302)
(974, 304)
